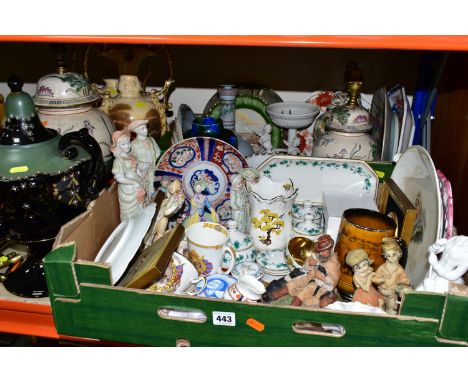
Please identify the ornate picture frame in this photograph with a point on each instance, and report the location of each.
(393, 202)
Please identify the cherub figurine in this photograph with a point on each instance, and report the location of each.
(130, 188)
(239, 202)
(317, 286)
(265, 139)
(200, 204)
(147, 152)
(390, 278)
(453, 264)
(365, 293)
(293, 147)
(173, 202)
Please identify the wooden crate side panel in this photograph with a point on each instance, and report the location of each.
(427, 305)
(58, 267)
(454, 324)
(129, 316)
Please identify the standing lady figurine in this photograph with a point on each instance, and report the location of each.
(200, 205)
(240, 206)
(130, 189)
(147, 152)
(391, 278)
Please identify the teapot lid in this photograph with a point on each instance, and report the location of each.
(64, 89)
(22, 125)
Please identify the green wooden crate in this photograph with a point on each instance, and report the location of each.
(86, 305)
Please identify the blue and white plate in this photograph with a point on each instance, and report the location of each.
(216, 285)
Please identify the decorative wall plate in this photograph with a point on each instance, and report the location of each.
(205, 158)
(312, 175)
(416, 176)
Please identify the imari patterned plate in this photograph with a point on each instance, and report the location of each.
(203, 158)
(312, 175)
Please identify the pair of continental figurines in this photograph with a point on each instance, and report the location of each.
(390, 278)
(133, 168)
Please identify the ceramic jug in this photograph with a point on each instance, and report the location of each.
(271, 217)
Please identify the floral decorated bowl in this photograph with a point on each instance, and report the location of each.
(64, 90)
(292, 115)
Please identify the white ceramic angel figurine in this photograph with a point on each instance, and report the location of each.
(240, 206)
(130, 190)
(293, 147)
(173, 203)
(147, 152)
(265, 139)
(453, 264)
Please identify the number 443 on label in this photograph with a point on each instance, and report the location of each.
(224, 318)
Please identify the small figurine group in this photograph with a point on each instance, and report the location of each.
(390, 278)
(314, 284)
(133, 168)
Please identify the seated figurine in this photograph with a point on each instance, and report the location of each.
(317, 286)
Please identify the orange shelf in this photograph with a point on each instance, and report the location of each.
(27, 319)
(407, 42)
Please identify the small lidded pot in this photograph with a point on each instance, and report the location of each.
(307, 228)
(242, 244)
(307, 208)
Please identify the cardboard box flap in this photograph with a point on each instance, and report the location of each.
(91, 229)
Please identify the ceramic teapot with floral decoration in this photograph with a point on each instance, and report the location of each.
(64, 103)
(346, 134)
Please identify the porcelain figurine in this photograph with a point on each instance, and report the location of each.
(131, 190)
(202, 210)
(390, 278)
(250, 175)
(173, 202)
(147, 152)
(265, 139)
(316, 287)
(293, 146)
(365, 293)
(239, 202)
(451, 266)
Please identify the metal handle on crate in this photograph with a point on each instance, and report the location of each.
(319, 329)
(182, 314)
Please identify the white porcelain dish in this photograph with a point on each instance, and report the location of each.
(312, 176)
(416, 176)
(123, 243)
